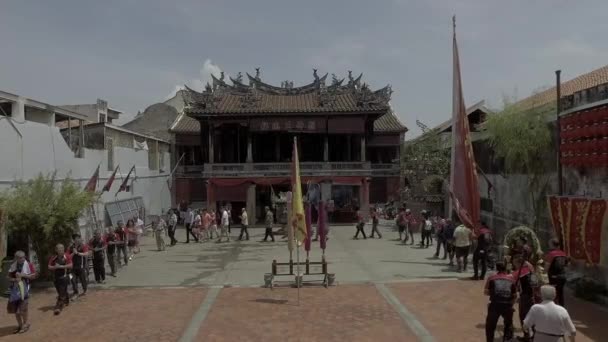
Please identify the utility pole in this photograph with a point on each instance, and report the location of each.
(558, 87)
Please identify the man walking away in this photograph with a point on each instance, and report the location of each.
(229, 211)
(111, 242)
(159, 234)
(375, 221)
(269, 223)
(172, 227)
(61, 264)
(527, 281)
(556, 263)
(501, 289)
(244, 224)
(98, 245)
(448, 234)
(427, 230)
(121, 242)
(441, 242)
(550, 321)
(410, 224)
(225, 223)
(80, 254)
(400, 220)
(20, 274)
(188, 220)
(480, 255)
(462, 244)
(360, 224)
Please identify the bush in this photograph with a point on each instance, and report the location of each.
(589, 289)
(45, 212)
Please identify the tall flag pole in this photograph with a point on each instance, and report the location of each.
(322, 226)
(464, 191)
(297, 209)
(92, 183)
(308, 219)
(170, 177)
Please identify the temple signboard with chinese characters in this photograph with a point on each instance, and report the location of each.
(304, 125)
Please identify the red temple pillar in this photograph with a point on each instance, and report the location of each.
(210, 196)
(365, 196)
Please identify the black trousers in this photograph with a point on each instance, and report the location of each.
(360, 230)
(441, 243)
(495, 311)
(375, 230)
(480, 257)
(99, 269)
(559, 282)
(426, 236)
(79, 275)
(189, 232)
(172, 235)
(122, 249)
(112, 262)
(243, 231)
(61, 285)
(269, 233)
(525, 304)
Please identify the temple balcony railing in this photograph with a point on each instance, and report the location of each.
(284, 169)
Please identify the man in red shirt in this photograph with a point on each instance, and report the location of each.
(79, 253)
(502, 291)
(98, 245)
(111, 243)
(61, 264)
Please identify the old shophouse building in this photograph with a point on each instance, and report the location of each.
(236, 140)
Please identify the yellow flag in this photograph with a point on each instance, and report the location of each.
(298, 221)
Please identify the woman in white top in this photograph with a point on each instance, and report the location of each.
(244, 225)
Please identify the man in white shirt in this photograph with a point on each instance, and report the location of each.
(244, 225)
(224, 225)
(550, 321)
(188, 220)
(462, 244)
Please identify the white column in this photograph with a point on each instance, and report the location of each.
(18, 110)
(363, 148)
(249, 149)
(211, 144)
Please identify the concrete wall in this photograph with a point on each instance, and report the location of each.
(43, 149)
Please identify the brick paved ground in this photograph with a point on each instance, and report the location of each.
(105, 315)
(344, 313)
(438, 305)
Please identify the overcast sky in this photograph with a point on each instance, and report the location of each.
(134, 53)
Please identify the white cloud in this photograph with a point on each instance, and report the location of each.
(198, 84)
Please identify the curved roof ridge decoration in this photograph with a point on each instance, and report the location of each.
(274, 90)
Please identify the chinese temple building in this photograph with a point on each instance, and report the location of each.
(237, 141)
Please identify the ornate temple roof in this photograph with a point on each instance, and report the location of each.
(258, 97)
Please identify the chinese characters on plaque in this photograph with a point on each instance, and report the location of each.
(289, 125)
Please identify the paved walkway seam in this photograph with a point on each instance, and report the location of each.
(200, 315)
(417, 328)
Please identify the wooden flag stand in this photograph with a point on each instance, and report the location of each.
(310, 268)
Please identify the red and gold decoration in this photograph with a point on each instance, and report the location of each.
(578, 222)
(584, 138)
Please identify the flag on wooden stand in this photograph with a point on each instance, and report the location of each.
(92, 183)
(110, 180)
(297, 205)
(464, 189)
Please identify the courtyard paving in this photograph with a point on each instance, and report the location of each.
(211, 292)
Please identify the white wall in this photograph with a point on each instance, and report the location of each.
(43, 149)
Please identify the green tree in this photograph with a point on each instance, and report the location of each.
(522, 138)
(46, 210)
(426, 161)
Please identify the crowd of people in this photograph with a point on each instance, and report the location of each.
(540, 306)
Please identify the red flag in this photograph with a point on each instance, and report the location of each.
(110, 181)
(463, 176)
(124, 186)
(92, 183)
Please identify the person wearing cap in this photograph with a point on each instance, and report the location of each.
(20, 274)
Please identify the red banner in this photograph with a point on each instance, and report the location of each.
(579, 222)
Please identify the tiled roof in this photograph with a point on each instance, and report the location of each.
(389, 123)
(299, 103)
(186, 125)
(386, 123)
(582, 82)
